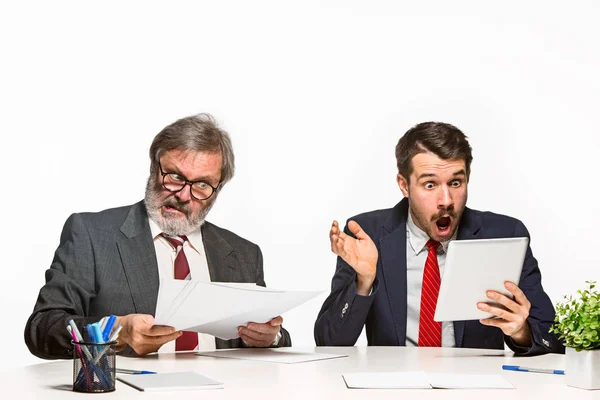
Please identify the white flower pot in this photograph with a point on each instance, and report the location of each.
(582, 369)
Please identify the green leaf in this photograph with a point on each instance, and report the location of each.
(577, 320)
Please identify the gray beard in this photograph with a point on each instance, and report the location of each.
(172, 226)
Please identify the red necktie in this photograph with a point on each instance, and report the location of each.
(188, 340)
(430, 332)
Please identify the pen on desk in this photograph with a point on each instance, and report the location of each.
(133, 371)
(528, 369)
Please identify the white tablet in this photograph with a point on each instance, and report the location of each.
(473, 267)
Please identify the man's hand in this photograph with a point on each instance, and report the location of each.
(140, 333)
(260, 335)
(360, 254)
(513, 320)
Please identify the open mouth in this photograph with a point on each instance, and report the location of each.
(443, 225)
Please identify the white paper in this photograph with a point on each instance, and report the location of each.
(243, 285)
(172, 381)
(283, 356)
(387, 380)
(169, 290)
(467, 381)
(423, 380)
(218, 309)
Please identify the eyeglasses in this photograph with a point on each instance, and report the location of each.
(174, 183)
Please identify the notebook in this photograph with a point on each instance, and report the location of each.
(172, 381)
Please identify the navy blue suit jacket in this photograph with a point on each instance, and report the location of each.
(344, 312)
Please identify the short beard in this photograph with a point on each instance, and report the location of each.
(422, 221)
(170, 226)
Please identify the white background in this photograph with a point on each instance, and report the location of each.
(315, 95)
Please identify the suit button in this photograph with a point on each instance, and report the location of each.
(344, 310)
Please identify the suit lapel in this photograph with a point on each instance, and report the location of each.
(222, 265)
(393, 264)
(470, 225)
(138, 257)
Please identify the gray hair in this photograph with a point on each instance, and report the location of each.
(195, 133)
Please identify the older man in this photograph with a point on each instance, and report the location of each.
(110, 262)
(388, 269)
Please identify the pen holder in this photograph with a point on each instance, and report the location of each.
(94, 367)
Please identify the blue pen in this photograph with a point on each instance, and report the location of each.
(133, 371)
(109, 325)
(91, 333)
(527, 369)
(97, 333)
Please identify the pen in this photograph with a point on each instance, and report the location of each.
(110, 322)
(97, 333)
(91, 333)
(527, 369)
(103, 323)
(77, 336)
(115, 334)
(77, 333)
(133, 371)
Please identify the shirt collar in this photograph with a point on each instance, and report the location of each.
(418, 238)
(194, 238)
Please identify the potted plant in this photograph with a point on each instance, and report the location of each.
(577, 322)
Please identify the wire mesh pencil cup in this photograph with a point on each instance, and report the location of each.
(94, 367)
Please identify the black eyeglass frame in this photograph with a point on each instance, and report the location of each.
(187, 182)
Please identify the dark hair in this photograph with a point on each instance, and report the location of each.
(444, 140)
(197, 133)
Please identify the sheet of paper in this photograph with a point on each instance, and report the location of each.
(424, 380)
(168, 291)
(218, 309)
(171, 381)
(249, 286)
(387, 380)
(263, 308)
(283, 356)
(467, 381)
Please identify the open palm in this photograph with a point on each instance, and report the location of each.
(360, 252)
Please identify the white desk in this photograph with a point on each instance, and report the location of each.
(313, 380)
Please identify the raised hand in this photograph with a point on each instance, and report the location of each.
(360, 253)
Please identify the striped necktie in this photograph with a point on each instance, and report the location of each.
(430, 332)
(188, 340)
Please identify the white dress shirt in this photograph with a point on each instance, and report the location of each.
(196, 256)
(416, 256)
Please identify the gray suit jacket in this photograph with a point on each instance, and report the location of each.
(106, 264)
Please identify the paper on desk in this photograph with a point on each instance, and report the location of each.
(468, 381)
(218, 309)
(422, 380)
(387, 380)
(280, 355)
(170, 381)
